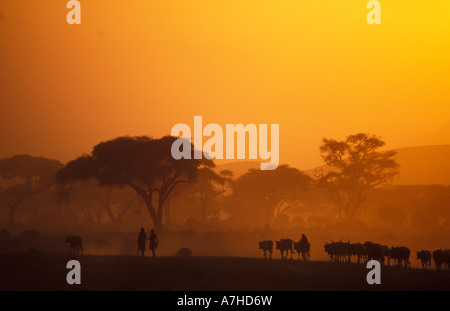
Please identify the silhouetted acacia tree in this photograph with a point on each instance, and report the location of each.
(280, 190)
(29, 176)
(356, 166)
(93, 201)
(210, 185)
(142, 163)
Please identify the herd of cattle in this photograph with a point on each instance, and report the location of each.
(338, 252)
(344, 251)
(285, 245)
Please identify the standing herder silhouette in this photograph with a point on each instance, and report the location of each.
(304, 240)
(141, 242)
(153, 241)
(306, 247)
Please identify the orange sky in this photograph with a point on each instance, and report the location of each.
(139, 67)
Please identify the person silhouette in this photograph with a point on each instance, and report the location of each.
(141, 242)
(304, 240)
(153, 241)
(306, 247)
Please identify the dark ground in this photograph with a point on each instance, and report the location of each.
(44, 271)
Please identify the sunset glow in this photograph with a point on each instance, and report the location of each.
(139, 67)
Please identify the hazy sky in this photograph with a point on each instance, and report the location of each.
(139, 67)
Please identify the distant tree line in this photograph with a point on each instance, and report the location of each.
(129, 180)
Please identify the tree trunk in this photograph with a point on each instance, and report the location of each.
(204, 206)
(13, 209)
(158, 223)
(155, 216)
(168, 214)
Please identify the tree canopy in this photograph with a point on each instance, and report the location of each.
(279, 190)
(142, 163)
(24, 165)
(356, 166)
(33, 175)
(210, 185)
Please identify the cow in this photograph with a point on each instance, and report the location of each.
(425, 258)
(345, 251)
(266, 246)
(447, 258)
(387, 253)
(374, 251)
(336, 251)
(439, 257)
(329, 249)
(357, 249)
(285, 245)
(401, 256)
(75, 244)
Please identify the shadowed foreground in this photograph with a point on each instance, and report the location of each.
(48, 272)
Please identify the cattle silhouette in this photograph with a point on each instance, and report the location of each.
(266, 246)
(400, 255)
(447, 258)
(357, 250)
(339, 251)
(332, 249)
(425, 258)
(75, 245)
(387, 254)
(285, 245)
(344, 251)
(439, 257)
(374, 251)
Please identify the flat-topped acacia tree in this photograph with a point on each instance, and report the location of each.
(31, 175)
(278, 191)
(142, 163)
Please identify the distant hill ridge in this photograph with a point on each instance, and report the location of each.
(421, 165)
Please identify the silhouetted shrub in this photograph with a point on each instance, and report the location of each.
(184, 252)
